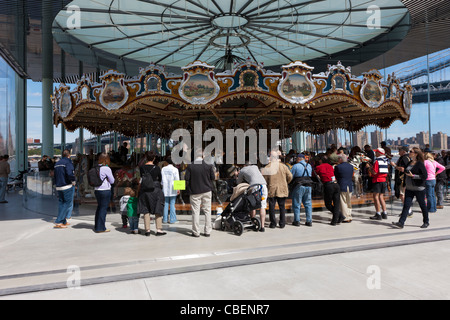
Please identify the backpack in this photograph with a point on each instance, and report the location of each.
(93, 177)
(147, 183)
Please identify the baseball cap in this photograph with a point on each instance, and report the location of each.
(300, 155)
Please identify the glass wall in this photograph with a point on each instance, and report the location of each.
(8, 113)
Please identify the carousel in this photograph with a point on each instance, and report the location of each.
(248, 96)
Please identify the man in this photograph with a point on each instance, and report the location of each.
(45, 164)
(367, 181)
(278, 177)
(399, 177)
(379, 171)
(5, 170)
(440, 182)
(331, 190)
(388, 155)
(302, 192)
(344, 172)
(251, 175)
(199, 177)
(123, 152)
(65, 187)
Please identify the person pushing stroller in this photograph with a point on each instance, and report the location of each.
(251, 175)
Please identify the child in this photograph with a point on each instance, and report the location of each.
(123, 207)
(132, 213)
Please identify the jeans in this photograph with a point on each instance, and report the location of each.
(409, 196)
(103, 197)
(3, 185)
(170, 202)
(332, 198)
(301, 195)
(134, 223)
(65, 205)
(431, 196)
(440, 184)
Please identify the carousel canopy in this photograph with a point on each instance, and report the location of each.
(125, 35)
(248, 96)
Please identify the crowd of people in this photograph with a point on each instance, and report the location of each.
(335, 175)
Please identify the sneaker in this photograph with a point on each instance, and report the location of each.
(440, 207)
(60, 226)
(376, 217)
(308, 224)
(425, 225)
(296, 223)
(383, 216)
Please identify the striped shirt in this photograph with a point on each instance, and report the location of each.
(381, 168)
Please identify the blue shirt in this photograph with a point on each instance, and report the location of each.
(344, 174)
(299, 168)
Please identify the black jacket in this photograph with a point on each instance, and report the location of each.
(420, 176)
(199, 177)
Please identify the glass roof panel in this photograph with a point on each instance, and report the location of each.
(177, 32)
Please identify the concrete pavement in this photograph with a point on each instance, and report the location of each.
(362, 260)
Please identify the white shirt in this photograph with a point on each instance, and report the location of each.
(169, 175)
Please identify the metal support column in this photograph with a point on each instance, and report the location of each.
(63, 77)
(81, 130)
(21, 89)
(47, 78)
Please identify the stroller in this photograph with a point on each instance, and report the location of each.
(236, 216)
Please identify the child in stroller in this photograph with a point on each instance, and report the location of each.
(236, 216)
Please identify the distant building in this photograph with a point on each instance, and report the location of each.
(360, 139)
(440, 141)
(376, 138)
(423, 138)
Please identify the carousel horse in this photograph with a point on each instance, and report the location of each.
(356, 162)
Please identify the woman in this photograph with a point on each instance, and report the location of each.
(415, 179)
(151, 199)
(103, 193)
(169, 175)
(433, 168)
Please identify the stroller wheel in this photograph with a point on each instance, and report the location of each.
(223, 225)
(256, 223)
(238, 228)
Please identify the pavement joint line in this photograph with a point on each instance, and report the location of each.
(221, 265)
(218, 253)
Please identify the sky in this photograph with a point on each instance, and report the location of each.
(439, 111)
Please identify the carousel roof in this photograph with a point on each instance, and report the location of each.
(125, 34)
(248, 96)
